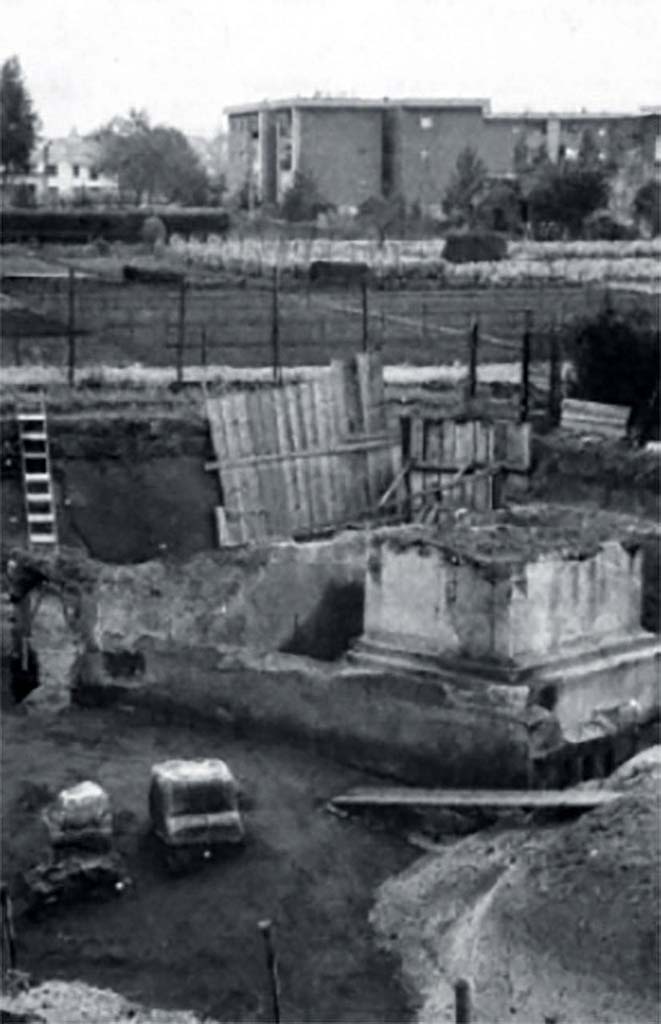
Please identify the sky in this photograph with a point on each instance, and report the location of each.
(85, 61)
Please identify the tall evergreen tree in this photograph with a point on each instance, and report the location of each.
(19, 123)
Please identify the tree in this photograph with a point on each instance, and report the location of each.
(501, 207)
(647, 206)
(151, 163)
(302, 200)
(19, 122)
(385, 213)
(466, 186)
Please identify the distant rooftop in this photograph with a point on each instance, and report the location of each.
(426, 103)
(342, 102)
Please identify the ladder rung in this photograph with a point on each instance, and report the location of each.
(40, 517)
(36, 414)
(46, 538)
(33, 478)
(34, 435)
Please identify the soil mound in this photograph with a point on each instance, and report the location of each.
(64, 1002)
(556, 924)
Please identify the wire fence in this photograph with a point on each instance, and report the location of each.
(270, 322)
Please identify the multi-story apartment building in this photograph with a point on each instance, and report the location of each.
(355, 149)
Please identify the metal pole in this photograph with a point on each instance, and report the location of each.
(525, 367)
(473, 342)
(363, 288)
(6, 911)
(275, 330)
(462, 1002)
(266, 928)
(181, 331)
(203, 347)
(555, 397)
(71, 328)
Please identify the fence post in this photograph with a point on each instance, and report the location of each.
(363, 288)
(275, 330)
(463, 1010)
(555, 396)
(265, 928)
(71, 328)
(525, 367)
(473, 343)
(203, 348)
(181, 330)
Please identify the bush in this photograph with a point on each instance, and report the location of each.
(616, 360)
(302, 201)
(647, 206)
(602, 225)
(153, 230)
(474, 247)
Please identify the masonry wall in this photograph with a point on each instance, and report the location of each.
(341, 149)
(496, 612)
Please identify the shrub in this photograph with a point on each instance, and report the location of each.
(647, 206)
(474, 247)
(302, 201)
(153, 230)
(616, 360)
(602, 225)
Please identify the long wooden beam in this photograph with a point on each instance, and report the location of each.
(524, 799)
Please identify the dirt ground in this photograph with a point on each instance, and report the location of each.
(192, 942)
(557, 925)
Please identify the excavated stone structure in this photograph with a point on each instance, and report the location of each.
(535, 600)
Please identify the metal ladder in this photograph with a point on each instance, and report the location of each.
(37, 476)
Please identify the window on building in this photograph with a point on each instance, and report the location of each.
(76, 170)
(426, 123)
(51, 170)
(94, 174)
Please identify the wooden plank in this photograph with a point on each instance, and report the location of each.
(358, 493)
(310, 467)
(523, 799)
(282, 444)
(235, 520)
(276, 522)
(340, 429)
(368, 416)
(253, 512)
(299, 439)
(449, 442)
(327, 463)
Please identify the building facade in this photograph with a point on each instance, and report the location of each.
(357, 149)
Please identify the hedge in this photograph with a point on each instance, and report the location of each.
(474, 247)
(80, 226)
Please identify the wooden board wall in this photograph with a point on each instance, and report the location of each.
(298, 458)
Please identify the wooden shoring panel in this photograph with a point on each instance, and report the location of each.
(299, 458)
